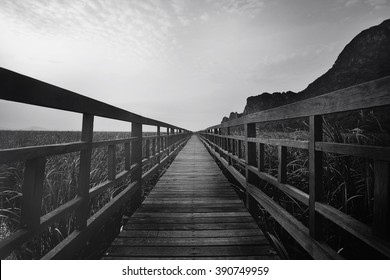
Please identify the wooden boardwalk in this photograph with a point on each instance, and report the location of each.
(192, 213)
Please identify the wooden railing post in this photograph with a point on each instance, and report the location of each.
(260, 158)
(32, 193)
(239, 148)
(127, 156)
(136, 151)
(225, 140)
(234, 149)
(167, 141)
(282, 164)
(173, 139)
(315, 176)
(214, 139)
(159, 144)
(381, 219)
(229, 146)
(154, 147)
(250, 154)
(222, 140)
(147, 148)
(84, 172)
(250, 158)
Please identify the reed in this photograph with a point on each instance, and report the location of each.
(60, 185)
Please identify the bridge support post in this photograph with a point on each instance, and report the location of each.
(32, 193)
(147, 149)
(282, 164)
(315, 176)
(172, 142)
(84, 172)
(127, 156)
(381, 221)
(158, 144)
(260, 157)
(250, 159)
(136, 158)
(229, 146)
(222, 141)
(215, 139)
(167, 141)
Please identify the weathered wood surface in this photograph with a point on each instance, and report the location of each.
(192, 213)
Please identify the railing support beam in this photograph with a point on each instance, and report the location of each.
(84, 172)
(315, 176)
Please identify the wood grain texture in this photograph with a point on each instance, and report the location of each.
(192, 213)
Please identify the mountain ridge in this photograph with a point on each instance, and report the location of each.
(366, 57)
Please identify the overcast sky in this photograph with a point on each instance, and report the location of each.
(185, 62)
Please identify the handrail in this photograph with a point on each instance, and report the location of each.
(159, 150)
(19, 88)
(366, 95)
(227, 149)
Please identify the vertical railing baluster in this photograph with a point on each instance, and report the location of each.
(172, 139)
(225, 140)
(381, 219)
(221, 140)
(315, 176)
(153, 147)
(229, 147)
(282, 164)
(260, 159)
(159, 144)
(167, 141)
(216, 140)
(136, 151)
(147, 149)
(234, 144)
(250, 159)
(84, 172)
(127, 156)
(32, 193)
(239, 148)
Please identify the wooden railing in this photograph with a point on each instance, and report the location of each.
(158, 150)
(226, 147)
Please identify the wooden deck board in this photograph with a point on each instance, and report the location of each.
(192, 213)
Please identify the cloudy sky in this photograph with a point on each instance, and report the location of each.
(186, 62)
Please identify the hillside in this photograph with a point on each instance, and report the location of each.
(365, 58)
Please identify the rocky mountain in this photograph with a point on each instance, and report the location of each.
(365, 58)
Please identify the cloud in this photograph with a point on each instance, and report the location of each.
(378, 4)
(246, 8)
(180, 7)
(205, 17)
(143, 28)
(350, 3)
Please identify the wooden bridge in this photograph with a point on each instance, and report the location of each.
(193, 212)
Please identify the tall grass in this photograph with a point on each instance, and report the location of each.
(60, 185)
(347, 180)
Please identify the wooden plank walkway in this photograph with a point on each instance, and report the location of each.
(192, 213)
